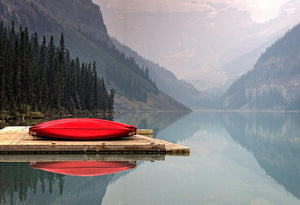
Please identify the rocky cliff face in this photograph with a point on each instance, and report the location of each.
(81, 15)
(43, 16)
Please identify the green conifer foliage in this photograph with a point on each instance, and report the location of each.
(39, 77)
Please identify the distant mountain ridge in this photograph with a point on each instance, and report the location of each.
(86, 37)
(274, 82)
(165, 80)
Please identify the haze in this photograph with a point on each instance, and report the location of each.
(200, 41)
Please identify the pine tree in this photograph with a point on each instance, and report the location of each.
(37, 77)
(43, 68)
(2, 69)
(95, 87)
(61, 72)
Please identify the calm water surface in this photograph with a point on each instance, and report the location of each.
(235, 159)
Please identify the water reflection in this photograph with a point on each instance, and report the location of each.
(18, 181)
(236, 158)
(62, 182)
(84, 168)
(274, 140)
(150, 120)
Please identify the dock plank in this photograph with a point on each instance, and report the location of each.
(80, 157)
(17, 139)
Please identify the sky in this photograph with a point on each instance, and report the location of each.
(196, 39)
(260, 11)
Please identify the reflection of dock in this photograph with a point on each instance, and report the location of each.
(17, 141)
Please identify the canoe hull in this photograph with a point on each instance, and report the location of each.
(82, 129)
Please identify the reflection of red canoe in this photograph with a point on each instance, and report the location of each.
(83, 168)
(82, 129)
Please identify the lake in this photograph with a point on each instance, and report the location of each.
(236, 158)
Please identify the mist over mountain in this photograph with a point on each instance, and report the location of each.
(86, 36)
(242, 64)
(196, 40)
(164, 79)
(274, 82)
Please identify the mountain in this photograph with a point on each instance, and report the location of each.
(274, 82)
(86, 36)
(214, 80)
(165, 80)
(193, 43)
(245, 62)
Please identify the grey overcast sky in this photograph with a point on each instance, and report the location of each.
(196, 38)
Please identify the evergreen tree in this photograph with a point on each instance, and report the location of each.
(41, 77)
(43, 67)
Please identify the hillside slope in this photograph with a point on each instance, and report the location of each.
(86, 37)
(274, 82)
(165, 80)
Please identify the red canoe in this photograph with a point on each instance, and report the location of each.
(83, 168)
(82, 129)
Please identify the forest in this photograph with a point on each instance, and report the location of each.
(41, 78)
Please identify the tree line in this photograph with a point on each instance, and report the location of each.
(40, 76)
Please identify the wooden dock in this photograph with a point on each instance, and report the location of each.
(17, 141)
(80, 157)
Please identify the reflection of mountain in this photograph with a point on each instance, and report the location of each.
(169, 126)
(188, 126)
(274, 141)
(150, 120)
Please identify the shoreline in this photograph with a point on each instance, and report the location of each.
(54, 116)
(247, 111)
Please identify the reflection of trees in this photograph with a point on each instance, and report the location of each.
(20, 184)
(274, 141)
(83, 190)
(20, 178)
